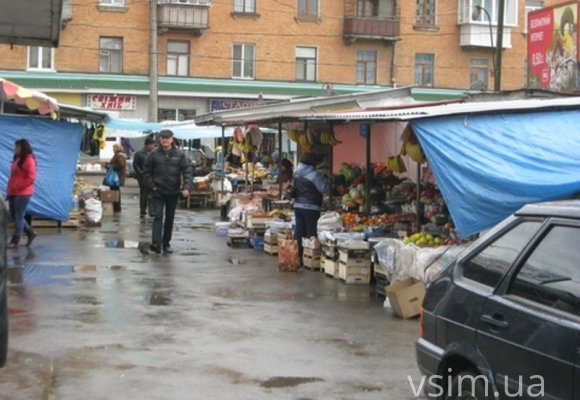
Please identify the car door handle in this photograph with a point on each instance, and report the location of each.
(496, 320)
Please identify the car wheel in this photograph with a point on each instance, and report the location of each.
(469, 385)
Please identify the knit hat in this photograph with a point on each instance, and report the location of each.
(149, 141)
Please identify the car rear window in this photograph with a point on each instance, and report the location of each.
(489, 265)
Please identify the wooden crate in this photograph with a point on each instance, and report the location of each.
(331, 268)
(354, 275)
(311, 259)
(271, 249)
(355, 258)
(271, 239)
(238, 242)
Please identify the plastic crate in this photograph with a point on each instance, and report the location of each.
(257, 243)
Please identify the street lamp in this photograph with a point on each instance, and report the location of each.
(475, 15)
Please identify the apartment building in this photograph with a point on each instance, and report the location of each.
(221, 54)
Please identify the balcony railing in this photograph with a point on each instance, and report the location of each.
(188, 16)
(371, 28)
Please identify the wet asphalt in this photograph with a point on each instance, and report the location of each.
(93, 318)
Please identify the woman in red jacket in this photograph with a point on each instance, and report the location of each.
(20, 190)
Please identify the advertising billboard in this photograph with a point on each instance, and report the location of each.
(553, 48)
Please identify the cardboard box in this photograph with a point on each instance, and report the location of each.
(107, 209)
(406, 297)
(109, 196)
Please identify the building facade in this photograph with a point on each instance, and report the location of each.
(214, 55)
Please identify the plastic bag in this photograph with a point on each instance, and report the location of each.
(275, 226)
(93, 210)
(111, 178)
(330, 221)
(288, 259)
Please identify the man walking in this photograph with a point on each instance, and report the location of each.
(138, 165)
(167, 173)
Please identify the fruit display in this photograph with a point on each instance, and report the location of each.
(423, 239)
(395, 164)
(308, 138)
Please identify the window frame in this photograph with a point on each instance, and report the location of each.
(112, 3)
(242, 61)
(178, 56)
(305, 64)
(40, 58)
(177, 112)
(244, 10)
(529, 7)
(422, 16)
(465, 12)
(365, 64)
(364, 12)
(480, 67)
(306, 15)
(424, 67)
(110, 61)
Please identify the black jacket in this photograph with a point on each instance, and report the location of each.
(3, 277)
(166, 172)
(139, 163)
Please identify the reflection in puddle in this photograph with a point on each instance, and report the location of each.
(287, 381)
(236, 261)
(159, 299)
(39, 274)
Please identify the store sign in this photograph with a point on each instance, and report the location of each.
(552, 48)
(232, 104)
(111, 102)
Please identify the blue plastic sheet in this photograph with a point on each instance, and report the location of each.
(56, 147)
(489, 166)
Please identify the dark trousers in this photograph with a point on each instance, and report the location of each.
(117, 204)
(162, 230)
(17, 206)
(145, 200)
(306, 223)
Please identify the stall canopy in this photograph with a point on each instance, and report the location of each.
(186, 130)
(33, 99)
(489, 166)
(56, 146)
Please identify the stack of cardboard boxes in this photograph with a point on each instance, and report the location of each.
(108, 197)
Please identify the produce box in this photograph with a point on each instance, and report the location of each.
(271, 249)
(109, 196)
(354, 275)
(285, 234)
(237, 240)
(311, 258)
(355, 254)
(271, 239)
(221, 228)
(108, 209)
(255, 222)
(311, 243)
(331, 268)
(406, 297)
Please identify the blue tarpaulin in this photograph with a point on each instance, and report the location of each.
(489, 166)
(56, 147)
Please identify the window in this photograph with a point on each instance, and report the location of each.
(111, 55)
(490, 264)
(244, 61)
(172, 114)
(178, 58)
(531, 6)
(306, 64)
(425, 12)
(479, 73)
(40, 57)
(424, 69)
(469, 13)
(308, 8)
(113, 2)
(550, 276)
(367, 8)
(245, 6)
(366, 67)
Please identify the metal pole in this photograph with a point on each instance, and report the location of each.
(153, 64)
(279, 160)
(499, 45)
(368, 174)
(330, 172)
(223, 156)
(418, 200)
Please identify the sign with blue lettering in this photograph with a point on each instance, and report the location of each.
(232, 104)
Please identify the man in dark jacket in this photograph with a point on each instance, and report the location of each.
(138, 165)
(167, 173)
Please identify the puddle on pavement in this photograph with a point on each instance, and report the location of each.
(236, 261)
(287, 381)
(87, 300)
(191, 253)
(159, 299)
(369, 388)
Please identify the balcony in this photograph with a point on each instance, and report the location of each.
(186, 16)
(380, 28)
(66, 13)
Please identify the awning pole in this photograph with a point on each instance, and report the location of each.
(418, 200)
(330, 171)
(368, 174)
(223, 156)
(279, 160)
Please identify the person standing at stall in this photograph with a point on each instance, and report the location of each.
(20, 190)
(119, 164)
(310, 187)
(286, 171)
(167, 173)
(138, 165)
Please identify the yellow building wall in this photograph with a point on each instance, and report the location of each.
(71, 99)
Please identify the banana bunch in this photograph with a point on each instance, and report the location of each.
(395, 164)
(302, 138)
(307, 148)
(328, 138)
(247, 146)
(273, 213)
(293, 135)
(415, 152)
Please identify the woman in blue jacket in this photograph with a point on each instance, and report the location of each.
(310, 188)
